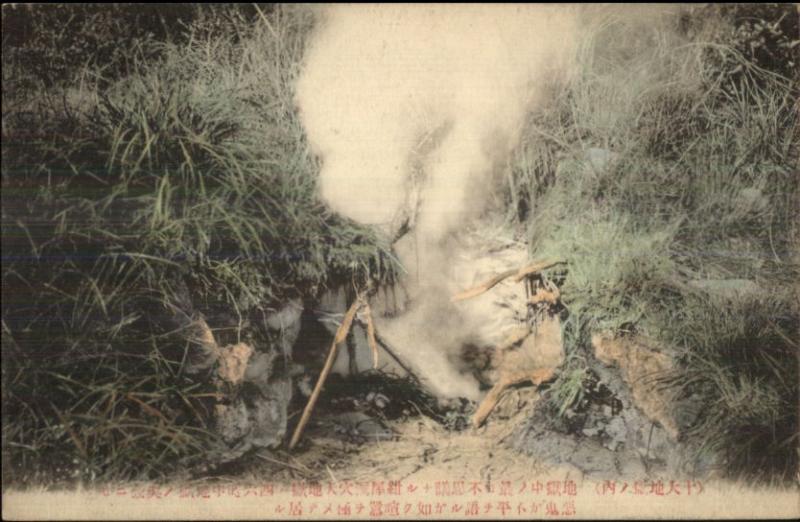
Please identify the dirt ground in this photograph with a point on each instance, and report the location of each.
(355, 447)
(352, 447)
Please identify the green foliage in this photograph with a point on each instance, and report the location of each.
(743, 360)
(767, 35)
(52, 42)
(667, 170)
(184, 186)
(154, 167)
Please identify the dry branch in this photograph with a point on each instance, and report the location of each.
(535, 268)
(484, 287)
(391, 351)
(341, 335)
(537, 377)
(373, 343)
(519, 274)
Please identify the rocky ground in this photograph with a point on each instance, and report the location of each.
(414, 413)
(397, 421)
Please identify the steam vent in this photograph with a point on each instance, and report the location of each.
(400, 261)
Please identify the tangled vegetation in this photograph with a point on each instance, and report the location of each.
(177, 181)
(165, 173)
(667, 174)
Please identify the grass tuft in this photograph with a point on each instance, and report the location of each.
(181, 184)
(666, 174)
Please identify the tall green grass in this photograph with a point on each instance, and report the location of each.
(181, 185)
(175, 180)
(693, 187)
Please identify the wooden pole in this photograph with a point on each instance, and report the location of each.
(341, 335)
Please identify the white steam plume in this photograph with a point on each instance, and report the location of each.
(379, 80)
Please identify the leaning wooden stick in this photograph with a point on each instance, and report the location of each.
(537, 267)
(518, 273)
(484, 287)
(341, 335)
(537, 377)
(392, 353)
(373, 343)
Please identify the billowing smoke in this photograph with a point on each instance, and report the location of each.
(414, 108)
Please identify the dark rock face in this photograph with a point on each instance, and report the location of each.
(256, 415)
(254, 382)
(604, 434)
